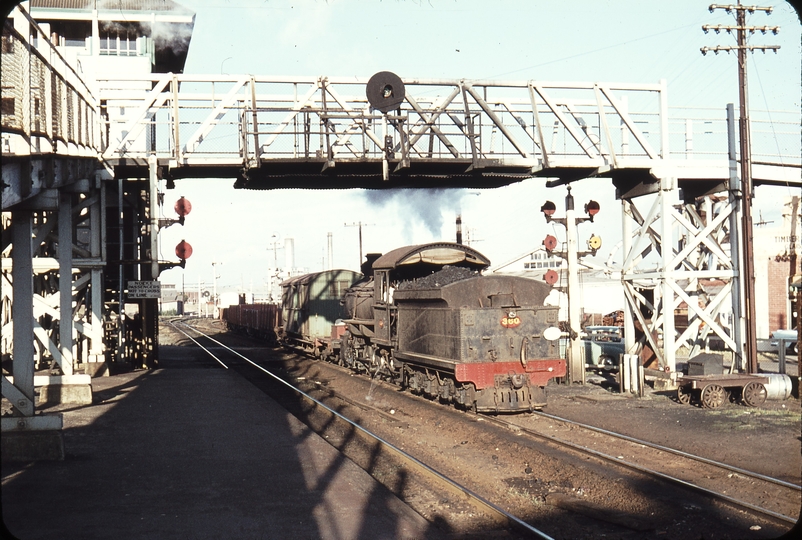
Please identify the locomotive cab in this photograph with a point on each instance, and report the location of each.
(383, 308)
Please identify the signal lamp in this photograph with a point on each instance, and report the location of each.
(592, 208)
(183, 250)
(183, 207)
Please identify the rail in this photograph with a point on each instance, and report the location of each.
(777, 493)
(255, 117)
(443, 482)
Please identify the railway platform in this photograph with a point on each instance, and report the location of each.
(193, 451)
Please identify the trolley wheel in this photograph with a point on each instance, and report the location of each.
(754, 394)
(713, 395)
(684, 394)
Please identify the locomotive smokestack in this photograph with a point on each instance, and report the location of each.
(459, 229)
(367, 267)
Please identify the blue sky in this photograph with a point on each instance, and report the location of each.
(593, 40)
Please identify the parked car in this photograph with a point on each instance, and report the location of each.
(604, 346)
(790, 338)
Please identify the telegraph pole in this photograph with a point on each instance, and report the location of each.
(748, 266)
(360, 225)
(214, 299)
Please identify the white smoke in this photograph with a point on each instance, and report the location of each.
(419, 206)
(172, 35)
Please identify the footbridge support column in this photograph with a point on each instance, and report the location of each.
(25, 435)
(680, 273)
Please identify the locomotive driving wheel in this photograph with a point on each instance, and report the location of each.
(754, 394)
(713, 395)
(347, 352)
(684, 394)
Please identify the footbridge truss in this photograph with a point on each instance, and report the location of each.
(82, 164)
(270, 132)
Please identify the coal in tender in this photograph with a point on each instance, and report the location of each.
(444, 276)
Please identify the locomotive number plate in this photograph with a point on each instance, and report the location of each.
(510, 322)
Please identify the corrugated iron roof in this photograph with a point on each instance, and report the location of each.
(122, 5)
(331, 275)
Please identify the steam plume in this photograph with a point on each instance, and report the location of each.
(419, 205)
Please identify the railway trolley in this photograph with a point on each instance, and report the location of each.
(712, 391)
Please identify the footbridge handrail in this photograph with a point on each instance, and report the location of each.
(563, 128)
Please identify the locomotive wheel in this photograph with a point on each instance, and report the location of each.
(713, 395)
(754, 394)
(347, 353)
(684, 395)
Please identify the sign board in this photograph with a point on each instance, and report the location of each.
(144, 289)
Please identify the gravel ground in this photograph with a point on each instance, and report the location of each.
(548, 489)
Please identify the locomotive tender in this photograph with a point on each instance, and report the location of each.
(427, 319)
(424, 317)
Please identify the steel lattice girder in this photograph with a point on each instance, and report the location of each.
(292, 118)
(682, 252)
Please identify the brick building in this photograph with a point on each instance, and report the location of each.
(773, 248)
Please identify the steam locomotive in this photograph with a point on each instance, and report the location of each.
(425, 318)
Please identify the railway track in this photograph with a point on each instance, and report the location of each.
(755, 494)
(709, 477)
(412, 467)
(734, 485)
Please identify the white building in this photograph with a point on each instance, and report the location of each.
(102, 38)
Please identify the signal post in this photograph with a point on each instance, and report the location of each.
(575, 360)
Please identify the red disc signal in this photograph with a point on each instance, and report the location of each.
(592, 208)
(183, 207)
(548, 208)
(549, 242)
(551, 277)
(183, 250)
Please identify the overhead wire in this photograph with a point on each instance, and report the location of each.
(592, 51)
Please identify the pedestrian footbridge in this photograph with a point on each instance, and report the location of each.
(83, 162)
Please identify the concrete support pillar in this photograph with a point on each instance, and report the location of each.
(65, 241)
(22, 311)
(26, 436)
